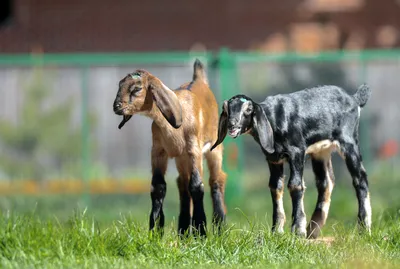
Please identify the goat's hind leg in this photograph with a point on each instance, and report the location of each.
(159, 159)
(325, 181)
(360, 182)
(196, 190)
(217, 185)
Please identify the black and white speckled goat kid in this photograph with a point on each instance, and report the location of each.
(314, 122)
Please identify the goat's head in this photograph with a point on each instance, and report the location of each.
(138, 92)
(241, 115)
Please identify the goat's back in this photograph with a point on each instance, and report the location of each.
(318, 113)
(200, 101)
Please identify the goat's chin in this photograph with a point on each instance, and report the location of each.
(234, 134)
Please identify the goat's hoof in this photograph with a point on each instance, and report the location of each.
(277, 230)
(199, 232)
(363, 230)
(183, 236)
(184, 232)
(218, 224)
(300, 232)
(313, 232)
(156, 233)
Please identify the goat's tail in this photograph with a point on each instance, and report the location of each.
(362, 95)
(199, 72)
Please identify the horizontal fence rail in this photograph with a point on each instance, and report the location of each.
(87, 59)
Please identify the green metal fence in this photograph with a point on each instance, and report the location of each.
(225, 65)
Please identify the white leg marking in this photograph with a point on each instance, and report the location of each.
(281, 215)
(327, 202)
(368, 213)
(303, 222)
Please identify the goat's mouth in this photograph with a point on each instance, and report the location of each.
(234, 132)
(122, 111)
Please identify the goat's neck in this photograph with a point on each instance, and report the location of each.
(156, 115)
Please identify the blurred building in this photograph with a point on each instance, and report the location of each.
(156, 25)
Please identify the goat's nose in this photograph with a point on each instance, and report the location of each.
(117, 107)
(232, 122)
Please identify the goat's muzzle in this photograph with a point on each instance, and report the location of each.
(233, 129)
(118, 109)
(234, 132)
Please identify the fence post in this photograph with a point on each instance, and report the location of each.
(233, 155)
(85, 134)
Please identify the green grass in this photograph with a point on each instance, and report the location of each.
(113, 233)
(27, 241)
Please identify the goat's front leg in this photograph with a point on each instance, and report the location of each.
(159, 163)
(217, 187)
(297, 188)
(276, 185)
(183, 185)
(196, 190)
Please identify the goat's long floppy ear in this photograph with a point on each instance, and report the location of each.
(264, 129)
(168, 103)
(222, 126)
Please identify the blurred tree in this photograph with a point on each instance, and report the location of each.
(43, 142)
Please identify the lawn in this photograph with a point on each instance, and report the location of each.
(27, 241)
(112, 232)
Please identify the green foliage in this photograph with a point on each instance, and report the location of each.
(42, 142)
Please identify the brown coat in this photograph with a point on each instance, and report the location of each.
(185, 124)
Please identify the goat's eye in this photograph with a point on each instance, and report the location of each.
(248, 111)
(135, 90)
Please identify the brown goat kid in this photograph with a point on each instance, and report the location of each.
(185, 123)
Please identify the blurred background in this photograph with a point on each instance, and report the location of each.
(61, 61)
